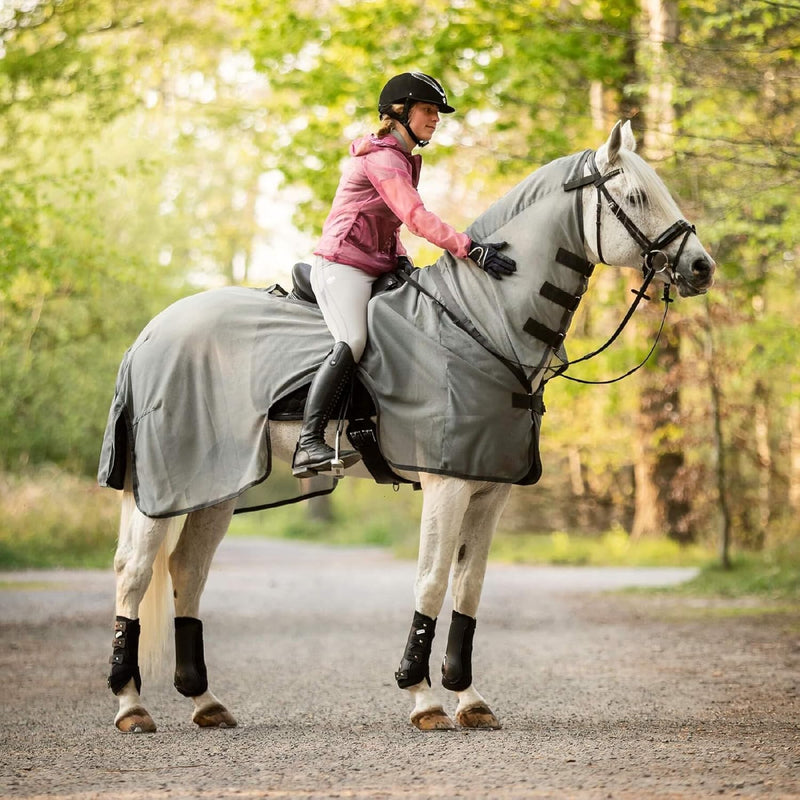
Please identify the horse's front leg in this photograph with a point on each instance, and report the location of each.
(189, 565)
(445, 501)
(475, 537)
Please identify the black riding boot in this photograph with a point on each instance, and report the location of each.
(312, 455)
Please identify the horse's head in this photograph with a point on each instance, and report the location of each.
(631, 219)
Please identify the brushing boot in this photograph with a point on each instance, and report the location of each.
(312, 454)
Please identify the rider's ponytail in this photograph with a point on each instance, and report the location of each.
(389, 123)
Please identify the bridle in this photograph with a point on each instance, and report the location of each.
(654, 261)
(652, 249)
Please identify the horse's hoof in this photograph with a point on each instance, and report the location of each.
(479, 717)
(214, 716)
(136, 720)
(432, 720)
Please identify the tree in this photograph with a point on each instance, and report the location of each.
(118, 184)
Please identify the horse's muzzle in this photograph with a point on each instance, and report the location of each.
(700, 280)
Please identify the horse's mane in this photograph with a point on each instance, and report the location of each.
(640, 175)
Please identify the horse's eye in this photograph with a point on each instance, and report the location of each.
(638, 198)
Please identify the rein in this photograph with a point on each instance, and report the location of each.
(654, 259)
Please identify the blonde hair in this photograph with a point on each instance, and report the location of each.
(388, 124)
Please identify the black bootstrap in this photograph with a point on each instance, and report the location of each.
(457, 664)
(190, 667)
(125, 655)
(414, 666)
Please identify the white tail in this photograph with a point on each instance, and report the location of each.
(157, 611)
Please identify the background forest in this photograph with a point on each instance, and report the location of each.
(153, 148)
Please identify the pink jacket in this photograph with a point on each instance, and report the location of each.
(376, 195)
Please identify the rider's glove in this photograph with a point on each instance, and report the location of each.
(405, 265)
(488, 257)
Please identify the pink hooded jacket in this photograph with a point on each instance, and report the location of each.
(376, 195)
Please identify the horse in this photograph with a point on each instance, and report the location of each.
(625, 217)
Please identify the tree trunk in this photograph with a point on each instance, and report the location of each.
(719, 446)
(661, 505)
(764, 462)
(794, 459)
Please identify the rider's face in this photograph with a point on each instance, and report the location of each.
(423, 119)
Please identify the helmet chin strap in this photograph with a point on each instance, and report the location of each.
(419, 142)
(403, 120)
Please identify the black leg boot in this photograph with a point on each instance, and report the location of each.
(457, 665)
(414, 666)
(312, 454)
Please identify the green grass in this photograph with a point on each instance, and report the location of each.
(614, 548)
(772, 574)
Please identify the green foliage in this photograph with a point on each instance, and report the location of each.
(133, 141)
(360, 514)
(517, 72)
(53, 519)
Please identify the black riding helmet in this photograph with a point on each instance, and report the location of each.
(409, 88)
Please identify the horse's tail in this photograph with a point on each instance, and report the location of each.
(156, 611)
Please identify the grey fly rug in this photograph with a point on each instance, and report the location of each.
(454, 365)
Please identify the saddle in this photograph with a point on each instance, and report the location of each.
(358, 409)
(302, 290)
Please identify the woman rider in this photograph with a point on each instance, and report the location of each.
(360, 241)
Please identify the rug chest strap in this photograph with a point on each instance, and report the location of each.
(574, 262)
(558, 296)
(544, 334)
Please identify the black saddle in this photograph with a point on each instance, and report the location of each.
(301, 283)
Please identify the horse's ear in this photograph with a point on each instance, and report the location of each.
(628, 139)
(608, 152)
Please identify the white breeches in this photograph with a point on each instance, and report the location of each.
(342, 294)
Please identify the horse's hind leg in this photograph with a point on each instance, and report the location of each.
(189, 565)
(445, 502)
(477, 529)
(140, 538)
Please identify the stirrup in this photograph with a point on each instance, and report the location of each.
(333, 464)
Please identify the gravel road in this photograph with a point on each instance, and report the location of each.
(601, 695)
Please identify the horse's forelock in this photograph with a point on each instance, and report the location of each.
(640, 175)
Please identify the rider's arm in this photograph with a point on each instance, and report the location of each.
(392, 180)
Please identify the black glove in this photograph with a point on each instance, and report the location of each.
(405, 265)
(488, 257)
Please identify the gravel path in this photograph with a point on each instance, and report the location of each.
(601, 695)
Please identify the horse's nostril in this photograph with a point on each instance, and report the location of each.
(701, 268)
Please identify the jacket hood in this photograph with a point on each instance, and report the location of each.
(370, 143)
